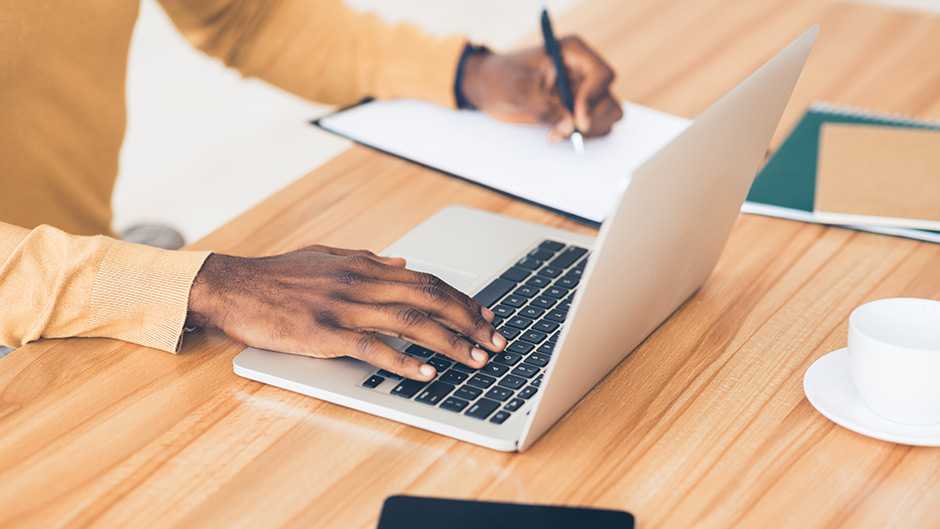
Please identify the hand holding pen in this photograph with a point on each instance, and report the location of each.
(553, 50)
(522, 87)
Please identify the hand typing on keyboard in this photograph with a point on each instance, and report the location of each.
(327, 302)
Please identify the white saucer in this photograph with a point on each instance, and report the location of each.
(830, 389)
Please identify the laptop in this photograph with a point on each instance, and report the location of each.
(571, 306)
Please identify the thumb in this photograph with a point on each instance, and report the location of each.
(561, 129)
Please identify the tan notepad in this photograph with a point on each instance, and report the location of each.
(888, 176)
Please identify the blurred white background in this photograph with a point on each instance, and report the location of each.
(204, 144)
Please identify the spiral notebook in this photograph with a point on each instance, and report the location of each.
(786, 186)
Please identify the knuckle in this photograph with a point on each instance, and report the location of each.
(431, 280)
(457, 342)
(367, 345)
(483, 326)
(360, 263)
(348, 278)
(402, 362)
(410, 316)
(434, 292)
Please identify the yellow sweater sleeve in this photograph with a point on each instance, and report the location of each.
(321, 49)
(55, 285)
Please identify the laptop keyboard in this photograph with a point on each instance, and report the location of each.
(530, 300)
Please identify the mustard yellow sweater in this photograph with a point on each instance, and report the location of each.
(62, 118)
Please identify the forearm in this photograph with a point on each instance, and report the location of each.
(55, 285)
(321, 49)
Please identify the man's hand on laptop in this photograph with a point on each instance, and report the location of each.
(520, 87)
(326, 302)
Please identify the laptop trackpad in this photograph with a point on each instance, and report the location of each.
(459, 279)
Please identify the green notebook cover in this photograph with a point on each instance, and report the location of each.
(788, 180)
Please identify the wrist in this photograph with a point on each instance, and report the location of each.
(204, 309)
(468, 82)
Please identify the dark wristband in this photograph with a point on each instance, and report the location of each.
(459, 97)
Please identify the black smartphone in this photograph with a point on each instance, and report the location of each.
(414, 512)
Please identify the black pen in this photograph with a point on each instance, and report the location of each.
(554, 51)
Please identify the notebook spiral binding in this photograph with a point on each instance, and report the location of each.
(891, 117)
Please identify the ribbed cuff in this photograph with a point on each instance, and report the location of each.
(141, 295)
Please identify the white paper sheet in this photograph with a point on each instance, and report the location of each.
(515, 159)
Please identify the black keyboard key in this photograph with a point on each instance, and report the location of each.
(497, 321)
(513, 405)
(515, 274)
(575, 273)
(554, 338)
(502, 311)
(407, 388)
(546, 348)
(515, 301)
(468, 392)
(567, 282)
(500, 417)
(389, 374)
(519, 322)
(420, 352)
(535, 337)
(498, 393)
(464, 368)
(530, 263)
(440, 363)
(546, 326)
(494, 291)
(520, 347)
(373, 381)
(552, 246)
(536, 359)
(528, 392)
(538, 380)
(543, 302)
(525, 370)
(512, 382)
(564, 305)
(509, 359)
(526, 291)
(482, 408)
(434, 393)
(557, 315)
(555, 292)
(531, 312)
(495, 369)
(540, 254)
(538, 281)
(568, 257)
(481, 381)
(454, 377)
(508, 332)
(550, 271)
(455, 404)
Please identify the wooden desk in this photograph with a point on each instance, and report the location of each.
(705, 425)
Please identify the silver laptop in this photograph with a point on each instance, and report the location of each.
(572, 307)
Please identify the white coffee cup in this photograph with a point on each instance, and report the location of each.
(894, 358)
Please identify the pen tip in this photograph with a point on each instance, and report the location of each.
(578, 141)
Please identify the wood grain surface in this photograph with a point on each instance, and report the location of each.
(704, 425)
